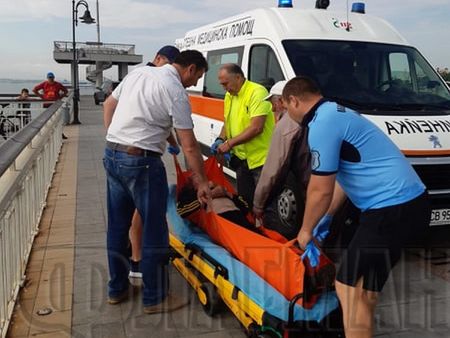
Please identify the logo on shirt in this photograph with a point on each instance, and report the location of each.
(315, 159)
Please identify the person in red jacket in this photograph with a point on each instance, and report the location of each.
(50, 90)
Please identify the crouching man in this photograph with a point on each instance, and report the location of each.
(377, 178)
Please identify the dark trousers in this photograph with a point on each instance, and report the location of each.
(137, 182)
(246, 179)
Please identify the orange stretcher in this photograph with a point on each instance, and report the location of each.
(267, 253)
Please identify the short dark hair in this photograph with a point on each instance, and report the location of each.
(192, 57)
(24, 90)
(300, 86)
(233, 68)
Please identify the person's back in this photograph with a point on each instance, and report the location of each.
(372, 170)
(146, 91)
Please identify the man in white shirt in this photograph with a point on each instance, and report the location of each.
(139, 116)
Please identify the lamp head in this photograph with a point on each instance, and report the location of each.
(87, 18)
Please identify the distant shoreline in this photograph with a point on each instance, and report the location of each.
(64, 81)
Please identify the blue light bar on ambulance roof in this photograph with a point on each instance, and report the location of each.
(285, 3)
(359, 7)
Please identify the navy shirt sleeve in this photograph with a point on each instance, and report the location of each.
(325, 139)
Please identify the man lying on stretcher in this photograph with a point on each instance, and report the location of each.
(225, 204)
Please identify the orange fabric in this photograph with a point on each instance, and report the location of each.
(273, 258)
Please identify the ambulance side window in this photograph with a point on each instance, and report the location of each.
(264, 67)
(216, 59)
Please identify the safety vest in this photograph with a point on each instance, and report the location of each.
(238, 111)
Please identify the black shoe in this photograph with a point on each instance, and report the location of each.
(135, 269)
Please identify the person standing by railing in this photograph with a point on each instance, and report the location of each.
(25, 115)
(51, 91)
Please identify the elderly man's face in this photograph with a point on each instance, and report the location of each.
(278, 107)
(232, 83)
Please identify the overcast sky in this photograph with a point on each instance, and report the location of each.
(29, 27)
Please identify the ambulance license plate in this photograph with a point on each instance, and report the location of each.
(440, 217)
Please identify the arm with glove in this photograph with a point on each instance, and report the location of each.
(173, 147)
(322, 228)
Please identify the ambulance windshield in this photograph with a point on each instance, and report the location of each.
(370, 76)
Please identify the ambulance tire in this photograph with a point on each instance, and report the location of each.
(285, 212)
(214, 303)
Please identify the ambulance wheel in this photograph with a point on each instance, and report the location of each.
(213, 303)
(286, 211)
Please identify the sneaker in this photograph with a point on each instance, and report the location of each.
(113, 300)
(170, 303)
(135, 269)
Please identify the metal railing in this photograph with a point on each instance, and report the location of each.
(94, 47)
(27, 164)
(16, 114)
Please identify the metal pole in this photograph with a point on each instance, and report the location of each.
(75, 68)
(98, 24)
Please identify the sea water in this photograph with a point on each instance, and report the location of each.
(14, 87)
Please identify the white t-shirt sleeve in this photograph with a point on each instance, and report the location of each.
(181, 113)
(116, 92)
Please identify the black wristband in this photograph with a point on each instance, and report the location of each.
(219, 138)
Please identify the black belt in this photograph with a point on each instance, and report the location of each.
(131, 150)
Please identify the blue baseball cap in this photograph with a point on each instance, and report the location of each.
(50, 75)
(170, 52)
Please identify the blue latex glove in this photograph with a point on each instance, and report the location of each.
(216, 145)
(322, 229)
(174, 150)
(227, 157)
(313, 254)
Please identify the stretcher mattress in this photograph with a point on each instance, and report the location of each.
(255, 287)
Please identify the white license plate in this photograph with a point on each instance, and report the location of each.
(440, 217)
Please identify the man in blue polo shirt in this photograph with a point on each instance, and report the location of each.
(377, 178)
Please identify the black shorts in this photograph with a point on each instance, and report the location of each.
(378, 242)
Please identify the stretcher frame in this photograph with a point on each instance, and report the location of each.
(209, 279)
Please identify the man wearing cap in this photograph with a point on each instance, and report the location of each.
(247, 129)
(288, 154)
(166, 55)
(281, 160)
(50, 90)
(139, 116)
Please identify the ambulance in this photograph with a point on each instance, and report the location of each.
(358, 60)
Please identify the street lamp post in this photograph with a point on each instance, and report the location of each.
(86, 18)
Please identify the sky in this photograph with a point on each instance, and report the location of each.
(28, 28)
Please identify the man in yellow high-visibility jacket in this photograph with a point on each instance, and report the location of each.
(247, 129)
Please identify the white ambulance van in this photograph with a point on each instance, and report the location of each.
(358, 60)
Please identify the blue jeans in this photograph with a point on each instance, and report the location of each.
(137, 182)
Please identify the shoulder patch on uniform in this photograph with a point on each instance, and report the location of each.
(315, 159)
(340, 108)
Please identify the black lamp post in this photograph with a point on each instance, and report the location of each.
(86, 18)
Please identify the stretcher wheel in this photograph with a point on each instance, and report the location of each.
(213, 303)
